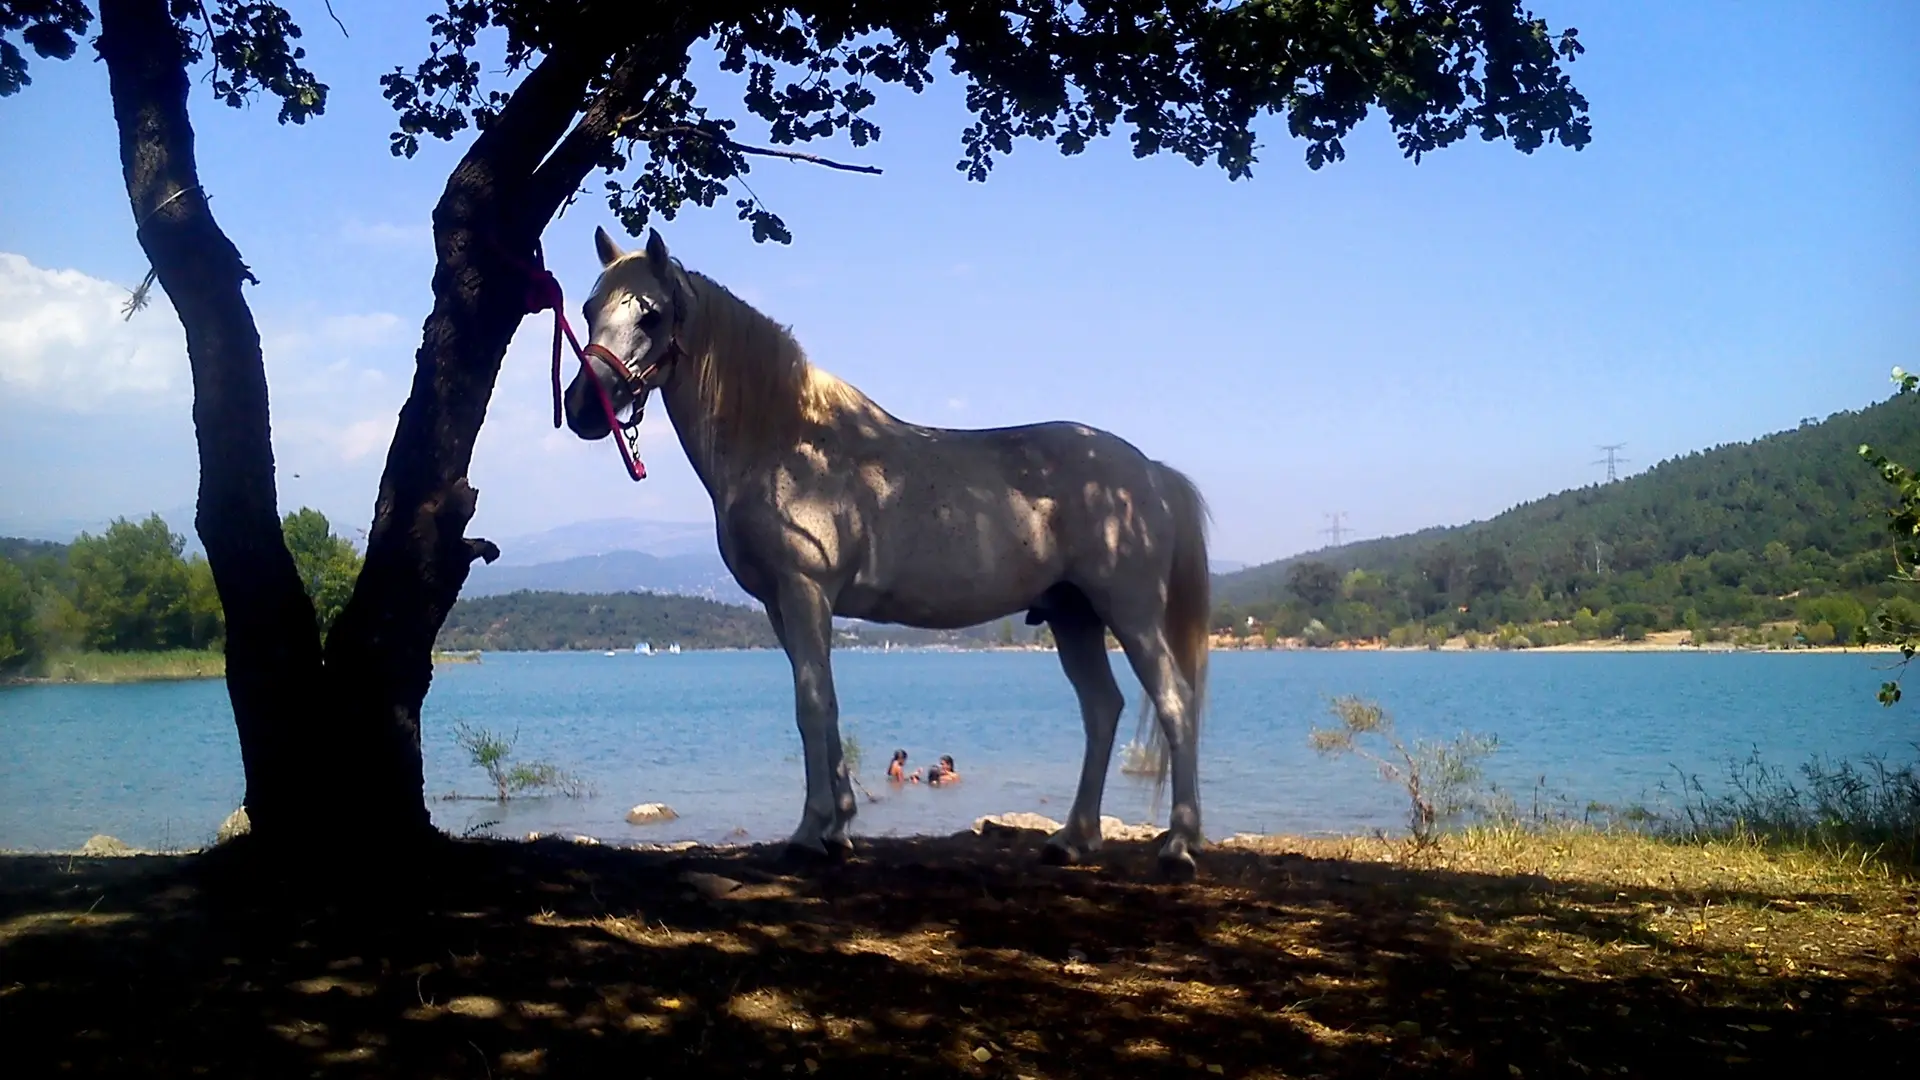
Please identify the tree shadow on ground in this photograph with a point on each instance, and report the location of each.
(924, 957)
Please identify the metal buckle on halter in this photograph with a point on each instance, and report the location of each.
(639, 387)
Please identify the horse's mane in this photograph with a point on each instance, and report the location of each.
(756, 386)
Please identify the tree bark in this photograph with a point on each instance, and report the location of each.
(316, 727)
(486, 226)
(273, 647)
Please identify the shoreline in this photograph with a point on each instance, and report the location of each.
(128, 676)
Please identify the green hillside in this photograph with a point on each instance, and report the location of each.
(1790, 527)
(540, 621)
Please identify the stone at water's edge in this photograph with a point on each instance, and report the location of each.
(236, 824)
(1012, 823)
(106, 845)
(647, 813)
(1112, 828)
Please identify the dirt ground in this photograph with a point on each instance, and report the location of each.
(1514, 957)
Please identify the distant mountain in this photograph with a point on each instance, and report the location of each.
(703, 575)
(21, 525)
(21, 550)
(1225, 566)
(1804, 489)
(661, 539)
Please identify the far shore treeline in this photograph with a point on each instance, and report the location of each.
(1777, 543)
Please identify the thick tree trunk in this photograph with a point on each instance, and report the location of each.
(331, 744)
(273, 648)
(500, 197)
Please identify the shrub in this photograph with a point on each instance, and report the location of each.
(493, 753)
(1442, 780)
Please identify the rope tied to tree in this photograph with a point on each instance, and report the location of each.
(543, 293)
(138, 299)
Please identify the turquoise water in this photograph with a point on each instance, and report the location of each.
(712, 735)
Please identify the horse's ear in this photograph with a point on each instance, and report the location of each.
(657, 254)
(605, 247)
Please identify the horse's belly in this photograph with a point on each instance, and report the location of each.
(945, 593)
(949, 611)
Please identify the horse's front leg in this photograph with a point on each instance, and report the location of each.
(805, 623)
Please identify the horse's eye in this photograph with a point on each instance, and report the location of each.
(650, 321)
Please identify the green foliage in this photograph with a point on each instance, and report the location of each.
(1186, 78)
(19, 634)
(1903, 522)
(328, 564)
(51, 28)
(1443, 780)
(251, 46)
(492, 753)
(1738, 537)
(542, 621)
(1315, 583)
(135, 591)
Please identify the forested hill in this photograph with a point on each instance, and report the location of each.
(541, 621)
(1800, 503)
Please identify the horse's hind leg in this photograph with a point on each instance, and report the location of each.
(803, 621)
(1152, 660)
(1080, 639)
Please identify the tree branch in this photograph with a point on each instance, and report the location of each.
(763, 151)
(559, 176)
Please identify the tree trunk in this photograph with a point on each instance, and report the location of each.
(507, 187)
(331, 743)
(273, 648)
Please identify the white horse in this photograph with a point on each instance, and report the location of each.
(827, 505)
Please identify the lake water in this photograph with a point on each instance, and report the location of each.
(712, 734)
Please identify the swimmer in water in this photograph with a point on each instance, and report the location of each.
(897, 770)
(943, 773)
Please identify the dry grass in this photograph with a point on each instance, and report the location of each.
(1499, 953)
(100, 667)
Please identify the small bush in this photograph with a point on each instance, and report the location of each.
(1442, 780)
(493, 753)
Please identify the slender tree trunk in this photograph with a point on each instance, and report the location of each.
(273, 648)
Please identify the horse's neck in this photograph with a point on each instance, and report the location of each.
(727, 442)
(693, 423)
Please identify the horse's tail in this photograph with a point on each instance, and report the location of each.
(1188, 620)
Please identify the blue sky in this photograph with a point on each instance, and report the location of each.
(1414, 345)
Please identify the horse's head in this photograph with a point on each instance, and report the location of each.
(633, 320)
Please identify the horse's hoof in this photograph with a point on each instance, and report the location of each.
(807, 853)
(1061, 849)
(1058, 855)
(1178, 867)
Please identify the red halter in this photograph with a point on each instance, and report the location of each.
(543, 292)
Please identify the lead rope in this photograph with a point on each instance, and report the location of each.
(543, 292)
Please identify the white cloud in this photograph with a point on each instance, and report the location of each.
(63, 336)
(386, 234)
(375, 328)
(957, 404)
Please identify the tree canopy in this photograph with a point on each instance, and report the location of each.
(1188, 77)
